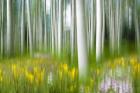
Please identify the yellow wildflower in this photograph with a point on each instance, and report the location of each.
(13, 66)
(133, 61)
(29, 76)
(1, 77)
(138, 68)
(15, 71)
(65, 67)
(35, 70)
(123, 63)
(135, 68)
(73, 73)
(39, 75)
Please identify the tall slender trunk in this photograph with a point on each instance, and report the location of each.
(60, 27)
(52, 26)
(9, 28)
(45, 27)
(136, 27)
(40, 24)
(103, 24)
(22, 27)
(118, 24)
(81, 40)
(92, 35)
(34, 30)
(98, 29)
(87, 21)
(72, 32)
(111, 27)
(2, 25)
(55, 18)
(29, 27)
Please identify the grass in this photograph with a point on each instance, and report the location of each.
(48, 75)
(36, 76)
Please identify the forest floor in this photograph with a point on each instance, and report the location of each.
(43, 74)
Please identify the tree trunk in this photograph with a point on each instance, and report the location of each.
(9, 28)
(52, 26)
(29, 27)
(98, 30)
(103, 24)
(2, 26)
(72, 32)
(60, 26)
(81, 40)
(137, 27)
(22, 27)
(111, 28)
(40, 31)
(45, 27)
(55, 22)
(92, 35)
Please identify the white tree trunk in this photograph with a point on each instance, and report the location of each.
(52, 26)
(137, 28)
(2, 17)
(45, 28)
(60, 27)
(111, 27)
(137, 32)
(72, 32)
(87, 21)
(98, 30)
(118, 24)
(29, 27)
(81, 39)
(9, 29)
(55, 25)
(22, 27)
(34, 31)
(40, 31)
(103, 24)
(92, 35)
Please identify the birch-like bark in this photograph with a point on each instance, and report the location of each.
(45, 27)
(22, 27)
(9, 28)
(103, 24)
(60, 27)
(40, 31)
(2, 25)
(81, 40)
(136, 27)
(98, 30)
(72, 32)
(29, 27)
(111, 27)
(55, 22)
(93, 20)
(52, 26)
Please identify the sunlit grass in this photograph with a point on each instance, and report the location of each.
(42, 75)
